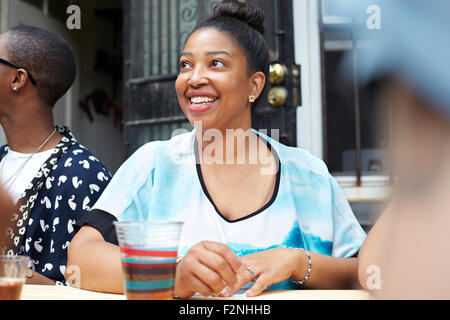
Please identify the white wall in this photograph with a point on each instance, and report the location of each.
(100, 136)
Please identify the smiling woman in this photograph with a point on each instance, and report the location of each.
(212, 87)
(243, 226)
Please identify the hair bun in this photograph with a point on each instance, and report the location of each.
(251, 15)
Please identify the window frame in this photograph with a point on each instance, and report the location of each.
(311, 120)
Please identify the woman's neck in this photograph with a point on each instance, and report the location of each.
(229, 146)
(240, 152)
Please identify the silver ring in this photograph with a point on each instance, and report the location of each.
(252, 271)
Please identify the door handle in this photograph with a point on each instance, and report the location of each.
(277, 73)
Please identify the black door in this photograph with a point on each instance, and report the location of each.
(155, 32)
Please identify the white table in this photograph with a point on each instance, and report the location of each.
(36, 292)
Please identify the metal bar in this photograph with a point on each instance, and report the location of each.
(156, 121)
(169, 38)
(153, 79)
(127, 29)
(200, 10)
(290, 121)
(357, 111)
(178, 31)
(278, 31)
(146, 39)
(178, 45)
(170, 111)
(152, 45)
(323, 82)
(150, 14)
(280, 57)
(160, 36)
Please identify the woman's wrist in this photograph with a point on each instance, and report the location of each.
(302, 267)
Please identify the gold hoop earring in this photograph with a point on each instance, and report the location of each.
(251, 99)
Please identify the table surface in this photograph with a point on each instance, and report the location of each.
(36, 292)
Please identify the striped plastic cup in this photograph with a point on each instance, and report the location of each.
(149, 253)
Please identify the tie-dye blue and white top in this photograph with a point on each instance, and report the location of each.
(161, 182)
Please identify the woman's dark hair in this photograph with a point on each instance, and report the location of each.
(244, 23)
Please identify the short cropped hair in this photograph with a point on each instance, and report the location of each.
(47, 56)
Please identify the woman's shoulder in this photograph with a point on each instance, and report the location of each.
(147, 157)
(78, 169)
(298, 159)
(177, 145)
(78, 159)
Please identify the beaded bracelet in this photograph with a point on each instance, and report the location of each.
(308, 272)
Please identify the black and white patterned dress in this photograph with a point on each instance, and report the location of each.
(65, 188)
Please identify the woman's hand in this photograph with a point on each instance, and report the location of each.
(271, 266)
(207, 268)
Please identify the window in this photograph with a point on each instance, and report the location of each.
(353, 122)
(355, 147)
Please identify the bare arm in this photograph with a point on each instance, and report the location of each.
(99, 262)
(7, 208)
(371, 252)
(329, 272)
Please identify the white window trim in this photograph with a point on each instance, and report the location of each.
(373, 188)
(307, 54)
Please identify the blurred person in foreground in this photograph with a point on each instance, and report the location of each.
(51, 177)
(6, 209)
(405, 255)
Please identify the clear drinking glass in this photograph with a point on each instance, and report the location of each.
(12, 276)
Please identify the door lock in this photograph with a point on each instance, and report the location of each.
(277, 97)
